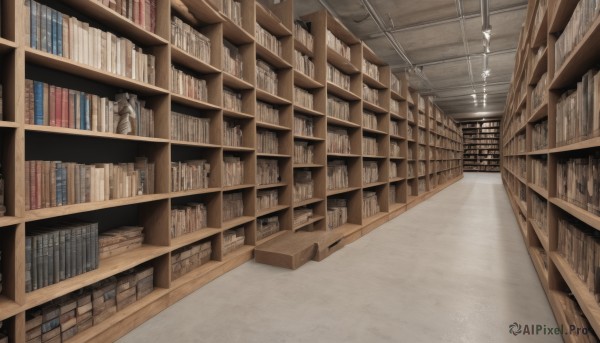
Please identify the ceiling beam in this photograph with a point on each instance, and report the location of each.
(462, 58)
(481, 84)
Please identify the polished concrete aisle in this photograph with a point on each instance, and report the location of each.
(453, 269)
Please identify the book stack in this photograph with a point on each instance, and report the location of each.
(56, 33)
(338, 141)
(267, 113)
(539, 15)
(521, 167)
(303, 185)
(370, 172)
(55, 106)
(233, 135)
(370, 69)
(411, 117)
(582, 18)
(422, 169)
(395, 106)
(232, 9)
(422, 186)
(119, 240)
(578, 182)
(188, 85)
(189, 128)
(267, 142)
(539, 172)
(266, 226)
(302, 215)
(55, 183)
(189, 175)
(266, 198)
(186, 259)
(232, 60)
(392, 194)
(59, 253)
(233, 239)
(304, 153)
(395, 149)
(370, 204)
(266, 77)
(134, 285)
(233, 206)
(267, 172)
(396, 84)
(335, 76)
(304, 64)
(142, 13)
(267, 40)
(395, 128)
(337, 174)
(421, 137)
(538, 96)
(338, 108)
(411, 153)
(303, 36)
(188, 218)
(574, 314)
(421, 119)
(337, 45)
(409, 132)
(232, 100)
(233, 170)
(393, 169)
(369, 120)
(578, 111)
(337, 212)
(303, 98)
(421, 104)
(421, 152)
(370, 94)
(303, 125)
(188, 39)
(370, 147)
(539, 212)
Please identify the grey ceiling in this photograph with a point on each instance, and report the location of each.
(430, 32)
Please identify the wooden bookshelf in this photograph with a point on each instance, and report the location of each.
(481, 145)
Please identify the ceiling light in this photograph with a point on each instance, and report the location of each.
(487, 34)
(474, 96)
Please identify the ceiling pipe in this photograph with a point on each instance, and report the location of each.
(486, 27)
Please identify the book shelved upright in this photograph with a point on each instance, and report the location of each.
(482, 145)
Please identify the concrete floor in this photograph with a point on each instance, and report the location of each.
(453, 269)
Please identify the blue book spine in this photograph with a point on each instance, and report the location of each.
(33, 21)
(58, 185)
(88, 112)
(49, 29)
(64, 185)
(59, 33)
(54, 33)
(38, 102)
(43, 13)
(82, 111)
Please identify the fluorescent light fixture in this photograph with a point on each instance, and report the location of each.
(487, 34)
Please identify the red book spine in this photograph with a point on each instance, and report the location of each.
(58, 106)
(52, 105)
(65, 108)
(72, 109)
(27, 184)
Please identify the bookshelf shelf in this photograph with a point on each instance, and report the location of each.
(236, 82)
(304, 81)
(235, 114)
(194, 192)
(307, 202)
(9, 308)
(298, 45)
(577, 212)
(238, 187)
(237, 222)
(201, 105)
(272, 185)
(374, 131)
(307, 111)
(539, 113)
(183, 58)
(195, 145)
(373, 107)
(271, 98)
(260, 154)
(341, 62)
(374, 184)
(586, 144)
(236, 34)
(341, 93)
(77, 132)
(267, 211)
(540, 68)
(539, 190)
(6, 45)
(271, 237)
(193, 237)
(312, 220)
(271, 22)
(341, 122)
(238, 148)
(331, 192)
(271, 58)
(307, 165)
(8, 124)
(309, 138)
(540, 234)
(272, 126)
(373, 83)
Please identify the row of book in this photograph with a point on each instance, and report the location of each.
(267, 40)
(118, 240)
(370, 94)
(232, 9)
(233, 206)
(304, 64)
(55, 183)
(63, 318)
(266, 77)
(539, 212)
(59, 253)
(370, 172)
(539, 172)
(395, 106)
(335, 76)
(370, 206)
(266, 226)
(303, 185)
(266, 198)
(188, 128)
(411, 170)
(232, 100)
(304, 152)
(338, 141)
(338, 108)
(187, 85)
(370, 146)
(232, 133)
(582, 18)
(303, 98)
(422, 168)
(338, 45)
(142, 12)
(267, 142)
(302, 216)
(578, 111)
(369, 120)
(55, 106)
(396, 84)
(303, 36)
(337, 212)
(233, 171)
(578, 181)
(393, 198)
(480, 141)
(421, 152)
(303, 125)
(188, 258)
(539, 94)
(232, 60)
(395, 128)
(267, 172)
(51, 31)
(394, 167)
(337, 174)
(189, 175)
(370, 69)
(574, 315)
(233, 239)
(188, 218)
(267, 113)
(188, 39)
(395, 149)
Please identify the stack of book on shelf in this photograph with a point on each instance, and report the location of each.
(370, 94)
(337, 45)
(55, 183)
(304, 64)
(574, 315)
(338, 108)
(394, 106)
(337, 174)
(303, 185)
(370, 146)
(233, 206)
(267, 172)
(395, 128)
(266, 226)
(267, 142)
(189, 175)
(266, 77)
(187, 85)
(539, 172)
(233, 170)
(59, 253)
(396, 84)
(186, 38)
(266, 39)
(338, 141)
(267, 198)
(186, 259)
(422, 186)
(539, 208)
(370, 69)
(188, 218)
(539, 137)
(303, 125)
(578, 181)
(119, 240)
(50, 105)
(392, 194)
(233, 135)
(142, 14)
(189, 128)
(538, 96)
(233, 239)
(393, 169)
(370, 204)
(232, 100)
(370, 172)
(267, 113)
(232, 9)
(232, 60)
(369, 120)
(335, 76)
(302, 215)
(303, 98)
(304, 153)
(582, 18)
(303, 36)
(337, 212)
